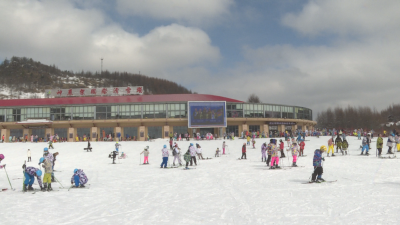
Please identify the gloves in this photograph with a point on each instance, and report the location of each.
(4, 166)
(323, 159)
(72, 182)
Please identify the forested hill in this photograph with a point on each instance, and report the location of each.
(25, 78)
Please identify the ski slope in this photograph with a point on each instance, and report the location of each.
(223, 190)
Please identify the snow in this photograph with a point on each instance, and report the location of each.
(219, 191)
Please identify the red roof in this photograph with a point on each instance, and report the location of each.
(113, 100)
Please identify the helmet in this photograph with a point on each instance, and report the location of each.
(41, 160)
(38, 173)
(147, 147)
(1, 156)
(323, 148)
(191, 144)
(165, 146)
(45, 149)
(75, 170)
(117, 142)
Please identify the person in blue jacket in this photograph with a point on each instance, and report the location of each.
(79, 178)
(317, 163)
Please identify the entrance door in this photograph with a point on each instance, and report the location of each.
(154, 132)
(234, 129)
(41, 132)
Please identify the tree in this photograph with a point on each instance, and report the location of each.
(253, 99)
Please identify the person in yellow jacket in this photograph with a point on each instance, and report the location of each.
(331, 145)
(248, 140)
(76, 138)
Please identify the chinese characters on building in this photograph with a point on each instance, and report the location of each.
(112, 91)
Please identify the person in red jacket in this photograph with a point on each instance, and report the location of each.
(281, 146)
(302, 144)
(244, 151)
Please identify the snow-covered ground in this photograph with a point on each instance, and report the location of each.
(219, 191)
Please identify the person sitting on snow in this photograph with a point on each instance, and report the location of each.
(79, 178)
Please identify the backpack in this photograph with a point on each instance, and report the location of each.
(173, 152)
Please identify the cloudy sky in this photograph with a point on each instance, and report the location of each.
(311, 53)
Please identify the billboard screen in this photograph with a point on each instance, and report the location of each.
(206, 114)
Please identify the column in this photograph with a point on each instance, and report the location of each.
(166, 132)
(49, 132)
(116, 131)
(27, 132)
(142, 133)
(6, 133)
(282, 128)
(266, 130)
(71, 134)
(93, 133)
(244, 128)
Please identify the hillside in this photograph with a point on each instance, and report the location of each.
(25, 78)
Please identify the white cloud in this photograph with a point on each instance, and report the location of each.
(193, 12)
(54, 32)
(343, 17)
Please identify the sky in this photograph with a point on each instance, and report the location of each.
(310, 53)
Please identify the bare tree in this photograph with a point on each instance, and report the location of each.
(253, 99)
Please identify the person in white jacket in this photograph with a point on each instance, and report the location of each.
(390, 143)
(29, 155)
(192, 150)
(199, 151)
(176, 153)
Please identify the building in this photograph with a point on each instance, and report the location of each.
(139, 116)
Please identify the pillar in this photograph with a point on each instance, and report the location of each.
(244, 128)
(142, 133)
(116, 131)
(266, 130)
(71, 134)
(27, 132)
(49, 132)
(93, 132)
(282, 128)
(294, 127)
(166, 132)
(6, 133)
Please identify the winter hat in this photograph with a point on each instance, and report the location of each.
(280, 140)
(38, 173)
(191, 144)
(46, 149)
(75, 170)
(41, 160)
(1, 156)
(165, 146)
(323, 148)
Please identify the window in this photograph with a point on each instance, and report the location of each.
(2, 115)
(177, 110)
(103, 112)
(59, 114)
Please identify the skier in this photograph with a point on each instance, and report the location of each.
(199, 151)
(345, 146)
(302, 145)
(274, 155)
(117, 147)
(223, 147)
(317, 163)
(170, 143)
(217, 152)
(29, 155)
(165, 155)
(30, 174)
(295, 151)
(365, 145)
(79, 178)
(113, 155)
(390, 142)
(269, 151)
(176, 153)
(397, 139)
(1, 159)
(192, 150)
(264, 152)
(338, 142)
(48, 170)
(379, 144)
(146, 155)
(330, 144)
(51, 145)
(282, 146)
(244, 151)
(248, 140)
(187, 158)
(254, 142)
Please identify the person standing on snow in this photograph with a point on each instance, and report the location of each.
(223, 147)
(117, 147)
(274, 155)
(29, 155)
(338, 142)
(48, 170)
(269, 151)
(330, 144)
(187, 158)
(390, 142)
(302, 145)
(79, 178)
(365, 145)
(146, 155)
(379, 144)
(244, 151)
(264, 152)
(199, 151)
(193, 152)
(295, 151)
(281, 147)
(30, 174)
(176, 153)
(317, 163)
(165, 155)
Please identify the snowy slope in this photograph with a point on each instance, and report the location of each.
(220, 191)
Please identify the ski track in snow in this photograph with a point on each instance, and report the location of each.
(223, 190)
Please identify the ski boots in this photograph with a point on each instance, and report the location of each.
(30, 188)
(24, 188)
(49, 187)
(277, 167)
(320, 179)
(333, 154)
(81, 186)
(271, 167)
(44, 187)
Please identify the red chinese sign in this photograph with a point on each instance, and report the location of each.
(112, 91)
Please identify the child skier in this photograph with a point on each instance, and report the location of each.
(365, 146)
(281, 146)
(146, 155)
(217, 152)
(390, 142)
(29, 155)
(79, 178)
(199, 151)
(248, 139)
(117, 147)
(165, 155)
(113, 155)
(345, 146)
(223, 147)
(317, 163)
(244, 151)
(338, 142)
(269, 151)
(192, 150)
(30, 174)
(274, 155)
(187, 158)
(48, 170)
(51, 144)
(330, 144)
(176, 153)
(302, 144)
(264, 152)
(254, 142)
(1, 159)
(295, 151)
(379, 144)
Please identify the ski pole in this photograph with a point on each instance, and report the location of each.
(8, 178)
(58, 182)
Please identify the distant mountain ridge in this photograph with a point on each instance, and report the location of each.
(25, 78)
